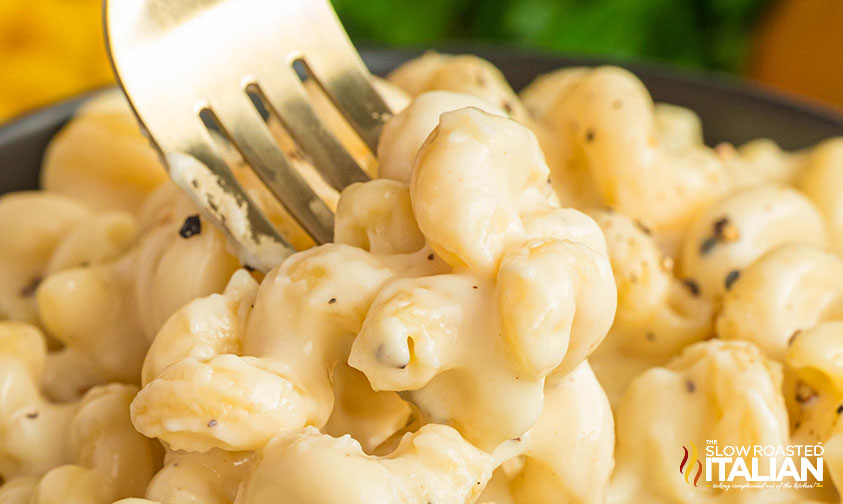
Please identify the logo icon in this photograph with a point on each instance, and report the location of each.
(686, 467)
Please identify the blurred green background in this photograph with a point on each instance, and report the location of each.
(703, 33)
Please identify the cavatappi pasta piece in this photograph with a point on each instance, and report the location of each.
(106, 313)
(180, 257)
(833, 456)
(97, 239)
(790, 288)
(759, 162)
(433, 464)
(33, 225)
(212, 477)
(555, 299)
(92, 312)
(499, 163)
(815, 391)
(86, 452)
(461, 74)
(101, 157)
(568, 454)
(570, 176)
(18, 490)
(369, 417)
(680, 129)
(822, 180)
(204, 328)
(604, 118)
(111, 460)
(657, 316)
(434, 337)
(325, 294)
(305, 314)
(715, 390)
(227, 401)
(497, 490)
(377, 216)
(404, 134)
(735, 231)
(33, 430)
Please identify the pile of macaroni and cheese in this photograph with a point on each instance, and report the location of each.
(547, 297)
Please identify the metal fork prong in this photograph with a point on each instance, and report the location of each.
(201, 167)
(287, 99)
(244, 126)
(345, 80)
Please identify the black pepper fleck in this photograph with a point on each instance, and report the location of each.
(840, 409)
(644, 229)
(430, 257)
(589, 135)
(690, 386)
(248, 268)
(192, 226)
(725, 231)
(212, 423)
(651, 336)
(332, 300)
(707, 245)
(507, 107)
(731, 278)
(692, 286)
(720, 225)
(474, 287)
(32, 416)
(29, 289)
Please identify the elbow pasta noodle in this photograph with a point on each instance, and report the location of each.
(542, 299)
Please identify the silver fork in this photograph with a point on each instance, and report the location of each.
(192, 69)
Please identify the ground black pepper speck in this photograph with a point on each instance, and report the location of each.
(192, 226)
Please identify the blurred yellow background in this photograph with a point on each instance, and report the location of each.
(49, 49)
(52, 49)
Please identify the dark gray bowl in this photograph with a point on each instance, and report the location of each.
(730, 110)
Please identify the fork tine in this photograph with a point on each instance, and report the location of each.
(286, 98)
(200, 167)
(337, 67)
(345, 82)
(243, 124)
